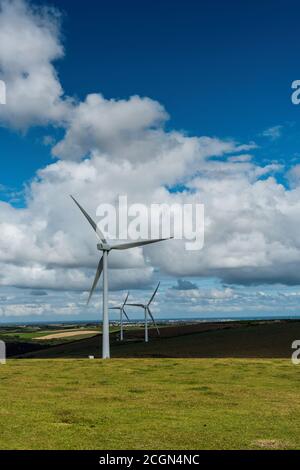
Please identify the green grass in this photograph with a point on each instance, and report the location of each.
(149, 404)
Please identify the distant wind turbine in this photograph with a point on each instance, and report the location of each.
(147, 312)
(121, 308)
(102, 266)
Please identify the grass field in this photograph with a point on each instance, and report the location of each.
(150, 404)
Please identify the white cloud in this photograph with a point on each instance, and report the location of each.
(29, 44)
(240, 158)
(293, 176)
(273, 133)
(196, 295)
(59, 278)
(251, 225)
(107, 125)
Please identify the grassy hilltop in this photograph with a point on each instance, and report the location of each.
(149, 404)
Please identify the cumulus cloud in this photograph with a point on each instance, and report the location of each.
(106, 125)
(240, 158)
(293, 176)
(58, 278)
(29, 44)
(196, 295)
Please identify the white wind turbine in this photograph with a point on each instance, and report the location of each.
(121, 308)
(147, 312)
(102, 266)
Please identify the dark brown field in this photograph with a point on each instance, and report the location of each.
(253, 339)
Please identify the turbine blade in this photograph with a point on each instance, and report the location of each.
(114, 308)
(97, 277)
(152, 318)
(126, 299)
(91, 221)
(136, 305)
(125, 246)
(126, 314)
(154, 294)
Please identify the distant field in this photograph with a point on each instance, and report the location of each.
(66, 334)
(29, 334)
(20, 340)
(150, 404)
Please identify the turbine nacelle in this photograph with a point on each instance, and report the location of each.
(147, 311)
(103, 247)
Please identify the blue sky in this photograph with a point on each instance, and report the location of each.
(219, 69)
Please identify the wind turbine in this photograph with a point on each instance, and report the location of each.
(105, 247)
(122, 312)
(147, 312)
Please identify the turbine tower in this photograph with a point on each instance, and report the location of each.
(147, 312)
(122, 312)
(105, 247)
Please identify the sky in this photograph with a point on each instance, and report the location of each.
(165, 102)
